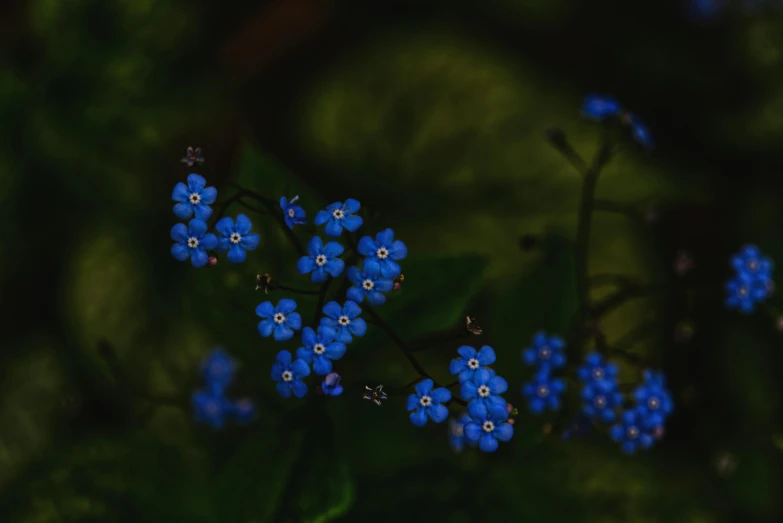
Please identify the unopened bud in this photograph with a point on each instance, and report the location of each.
(511, 421)
(212, 261)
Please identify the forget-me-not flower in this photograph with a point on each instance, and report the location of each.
(293, 214)
(339, 216)
(457, 438)
(654, 399)
(288, 374)
(320, 349)
(546, 351)
(236, 238)
(193, 198)
(384, 250)
(321, 261)
(750, 262)
(281, 321)
(489, 428)
(595, 369)
(471, 361)
(543, 392)
(211, 407)
(331, 385)
(218, 369)
(243, 411)
(368, 283)
(428, 402)
(744, 293)
(601, 399)
(345, 320)
(484, 387)
(631, 432)
(192, 242)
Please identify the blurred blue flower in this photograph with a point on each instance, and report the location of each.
(218, 369)
(488, 429)
(322, 260)
(368, 283)
(744, 293)
(428, 402)
(631, 432)
(654, 399)
(211, 407)
(470, 361)
(193, 198)
(639, 131)
(546, 352)
(192, 242)
(288, 374)
(457, 438)
(345, 320)
(601, 399)
(339, 216)
(595, 369)
(384, 250)
(600, 107)
(280, 320)
(331, 385)
(236, 238)
(543, 392)
(320, 349)
(751, 263)
(243, 411)
(484, 387)
(293, 214)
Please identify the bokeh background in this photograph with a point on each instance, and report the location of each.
(432, 114)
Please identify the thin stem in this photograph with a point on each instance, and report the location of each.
(557, 140)
(321, 299)
(274, 286)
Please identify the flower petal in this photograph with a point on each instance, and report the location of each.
(209, 195)
(355, 294)
(376, 298)
(352, 223)
(358, 327)
(351, 206)
(282, 332)
(366, 246)
(439, 413)
(333, 228)
(424, 387)
(398, 250)
(250, 241)
(413, 402)
(419, 417)
(456, 366)
(468, 390)
(286, 305)
(488, 443)
(183, 211)
(498, 385)
(383, 285)
(472, 431)
(335, 351)
(354, 275)
(236, 254)
(351, 309)
(265, 310)
(265, 328)
(243, 224)
(196, 183)
(314, 246)
(305, 354)
(333, 250)
(198, 258)
(322, 366)
(440, 395)
(322, 217)
(209, 241)
(179, 233)
(335, 267)
(305, 265)
(283, 358)
(202, 211)
(283, 389)
(332, 310)
(180, 193)
(371, 269)
(504, 431)
(467, 352)
(295, 321)
(180, 252)
(486, 356)
(390, 269)
(300, 369)
(299, 387)
(197, 228)
(478, 411)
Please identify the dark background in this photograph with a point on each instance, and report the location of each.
(432, 114)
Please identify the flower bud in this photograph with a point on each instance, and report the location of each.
(212, 261)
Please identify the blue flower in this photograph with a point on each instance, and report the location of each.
(743, 293)
(484, 387)
(639, 131)
(194, 197)
(339, 216)
(243, 411)
(280, 320)
(546, 351)
(543, 392)
(653, 399)
(192, 242)
(218, 369)
(631, 432)
(596, 370)
(288, 374)
(428, 402)
(345, 320)
(331, 385)
(489, 428)
(457, 438)
(211, 407)
(236, 238)
(601, 398)
(471, 361)
(368, 283)
(750, 262)
(322, 260)
(293, 214)
(320, 349)
(600, 107)
(385, 251)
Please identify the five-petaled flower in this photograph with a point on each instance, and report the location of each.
(195, 197)
(236, 238)
(546, 352)
(543, 392)
(368, 283)
(428, 402)
(631, 432)
(288, 374)
(320, 349)
(280, 320)
(487, 427)
(192, 242)
(653, 399)
(471, 361)
(600, 107)
(595, 369)
(218, 369)
(211, 407)
(331, 385)
(322, 260)
(345, 320)
(292, 214)
(744, 293)
(384, 250)
(339, 216)
(601, 399)
(485, 387)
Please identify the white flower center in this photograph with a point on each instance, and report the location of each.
(344, 320)
(488, 426)
(544, 353)
(318, 348)
(195, 198)
(291, 213)
(543, 391)
(600, 402)
(287, 376)
(598, 373)
(279, 317)
(483, 391)
(235, 238)
(338, 214)
(425, 401)
(368, 285)
(632, 432)
(382, 253)
(473, 363)
(192, 242)
(320, 260)
(653, 403)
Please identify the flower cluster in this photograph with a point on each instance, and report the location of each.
(487, 420)
(641, 425)
(752, 281)
(211, 405)
(193, 241)
(545, 355)
(602, 108)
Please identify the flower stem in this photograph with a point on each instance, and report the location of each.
(274, 286)
(321, 299)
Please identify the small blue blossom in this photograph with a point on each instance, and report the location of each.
(744, 293)
(543, 392)
(345, 320)
(368, 283)
(601, 398)
(236, 238)
(339, 216)
(546, 351)
(653, 399)
(322, 260)
(631, 432)
(218, 369)
(751, 263)
(211, 407)
(192, 242)
(427, 402)
(320, 349)
(193, 198)
(600, 107)
(384, 250)
(489, 428)
(471, 361)
(293, 214)
(485, 387)
(243, 411)
(639, 131)
(595, 369)
(457, 438)
(280, 320)
(331, 385)
(288, 374)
